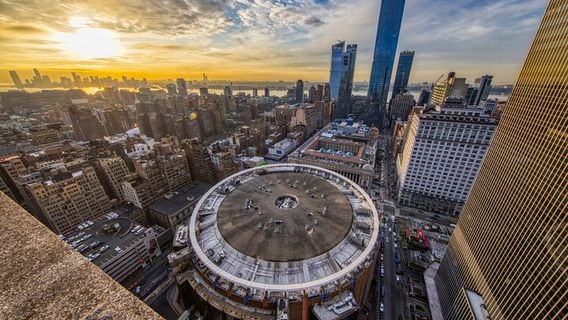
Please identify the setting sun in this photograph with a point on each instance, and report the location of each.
(90, 43)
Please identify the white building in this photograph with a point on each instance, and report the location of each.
(441, 156)
(281, 149)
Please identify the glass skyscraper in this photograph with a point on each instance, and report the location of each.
(405, 59)
(510, 246)
(343, 105)
(388, 29)
(336, 67)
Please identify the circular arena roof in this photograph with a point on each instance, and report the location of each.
(284, 227)
(285, 216)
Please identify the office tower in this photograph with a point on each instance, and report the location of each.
(224, 164)
(508, 250)
(388, 29)
(343, 106)
(441, 156)
(182, 87)
(484, 88)
(424, 97)
(37, 79)
(336, 69)
(137, 191)
(203, 91)
(266, 92)
(16, 79)
(405, 59)
(11, 170)
(171, 88)
(68, 198)
(111, 172)
(254, 92)
(450, 87)
(401, 105)
(312, 94)
(471, 95)
(173, 166)
(227, 91)
(200, 164)
(299, 91)
(77, 80)
(85, 125)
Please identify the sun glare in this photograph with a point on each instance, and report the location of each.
(90, 43)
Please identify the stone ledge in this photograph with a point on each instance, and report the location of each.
(41, 277)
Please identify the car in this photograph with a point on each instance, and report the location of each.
(382, 257)
(103, 249)
(395, 245)
(387, 240)
(397, 278)
(382, 272)
(382, 307)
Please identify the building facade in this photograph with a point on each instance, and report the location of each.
(510, 242)
(343, 104)
(441, 156)
(388, 30)
(405, 59)
(68, 199)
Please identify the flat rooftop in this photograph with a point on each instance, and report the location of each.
(256, 220)
(180, 199)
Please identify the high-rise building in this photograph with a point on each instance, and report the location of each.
(16, 79)
(171, 88)
(85, 125)
(182, 87)
(507, 253)
(401, 105)
(111, 172)
(254, 92)
(266, 92)
(200, 164)
(336, 69)
(403, 68)
(449, 87)
(484, 88)
(68, 198)
(441, 156)
(388, 29)
(343, 105)
(299, 91)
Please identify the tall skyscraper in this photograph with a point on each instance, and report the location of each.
(336, 67)
(508, 251)
(484, 88)
(182, 87)
(299, 91)
(16, 79)
(343, 107)
(388, 29)
(402, 72)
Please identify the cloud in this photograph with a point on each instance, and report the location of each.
(290, 37)
(314, 21)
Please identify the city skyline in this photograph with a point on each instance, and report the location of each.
(291, 39)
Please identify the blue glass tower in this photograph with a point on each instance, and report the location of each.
(388, 29)
(336, 69)
(343, 106)
(402, 72)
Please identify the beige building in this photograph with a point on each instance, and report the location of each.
(68, 198)
(112, 172)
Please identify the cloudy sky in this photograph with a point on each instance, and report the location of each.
(258, 39)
